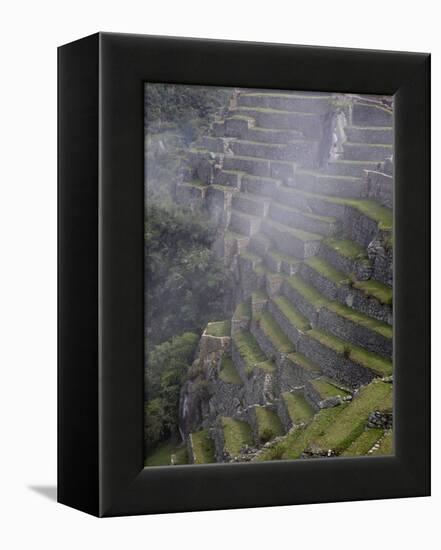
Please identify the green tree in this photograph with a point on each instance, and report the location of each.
(187, 284)
(166, 367)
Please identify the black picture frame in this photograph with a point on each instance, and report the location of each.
(100, 284)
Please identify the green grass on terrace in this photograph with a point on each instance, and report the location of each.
(259, 296)
(252, 197)
(309, 293)
(251, 256)
(248, 348)
(363, 320)
(279, 256)
(203, 447)
(326, 389)
(346, 247)
(275, 111)
(162, 455)
(237, 434)
(268, 424)
(219, 329)
(289, 311)
(327, 270)
(264, 144)
(228, 372)
(298, 233)
(243, 310)
(267, 366)
(268, 325)
(240, 117)
(299, 409)
(322, 175)
(369, 360)
(224, 188)
(232, 235)
(294, 443)
(304, 362)
(354, 162)
(381, 292)
(195, 183)
(386, 445)
(358, 144)
(371, 209)
(352, 421)
(287, 96)
(364, 442)
(253, 177)
(324, 219)
(244, 215)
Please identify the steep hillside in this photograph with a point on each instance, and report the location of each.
(300, 187)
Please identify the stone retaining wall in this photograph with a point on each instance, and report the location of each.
(333, 364)
(380, 187)
(355, 333)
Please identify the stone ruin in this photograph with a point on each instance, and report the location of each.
(300, 186)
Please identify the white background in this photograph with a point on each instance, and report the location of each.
(30, 34)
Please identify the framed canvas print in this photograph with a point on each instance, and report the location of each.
(244, 274)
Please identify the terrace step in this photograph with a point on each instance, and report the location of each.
(365, 151)
(293, 445)
(380, 187)
(238, 126)
(228, 178)
(290, 320)
(307, 123)
(385, 446)
(269, 135)
(327, 184)
(357, 328)
(295, 371)
(285, 102)
(235, 435)
(298, 409)
(216, 144)
(338, 319)
(351, 422)
(202, 449)
(371, 134)
(369, 114)
(190, 193)
(258, 185)
(244, 224)
(270, 337)
(299, 150)
(281, 263)
(267, 425)
(361, 445)
(251, 204)
(299, 219)
(346, 256)
(322, 393)
(363, 219)
(259, 244)
(258, 149)
(354, 168)
(342, 361)
(250, 165)
(369, 297)
(248, 356)
(228, 373)
(294, 242)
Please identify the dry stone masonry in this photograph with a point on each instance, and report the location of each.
(300, 186)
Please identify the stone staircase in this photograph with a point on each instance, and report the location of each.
(309, 239)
